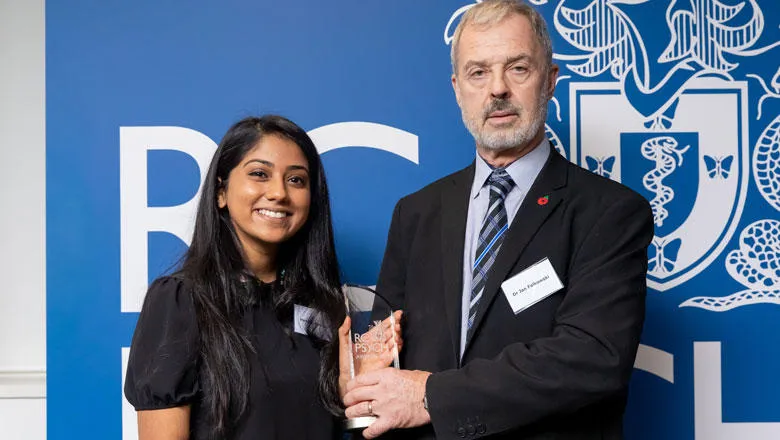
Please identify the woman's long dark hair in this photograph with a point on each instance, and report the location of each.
(214, 265)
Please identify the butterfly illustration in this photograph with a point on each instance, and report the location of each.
(601, 166)
(662, 255)
(718, 167)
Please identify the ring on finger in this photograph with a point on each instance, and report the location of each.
(370, 408)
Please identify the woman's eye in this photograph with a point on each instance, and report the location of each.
(259, 173)
(297, 180)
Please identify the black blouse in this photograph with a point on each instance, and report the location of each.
(163, 370)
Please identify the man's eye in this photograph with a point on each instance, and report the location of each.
(477, 73)
(520, 69)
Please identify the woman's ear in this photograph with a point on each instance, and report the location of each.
(221, 199)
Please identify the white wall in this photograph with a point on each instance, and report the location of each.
(22, 419)
(22, 221)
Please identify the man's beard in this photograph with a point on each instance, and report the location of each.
(500, 139)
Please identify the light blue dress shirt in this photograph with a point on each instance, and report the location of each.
(523, 172)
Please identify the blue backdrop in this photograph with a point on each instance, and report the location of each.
(676, 98)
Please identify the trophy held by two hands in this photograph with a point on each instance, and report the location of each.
(373, 337)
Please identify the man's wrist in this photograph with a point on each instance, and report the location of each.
(425, 415)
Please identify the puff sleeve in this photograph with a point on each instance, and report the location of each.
(162, 371)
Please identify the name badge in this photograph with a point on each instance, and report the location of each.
(531, 285)
(303, 316)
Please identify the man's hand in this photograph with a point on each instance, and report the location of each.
(396, 398)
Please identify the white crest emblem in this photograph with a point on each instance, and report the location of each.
(695, 174)
(663, 138)
(756, 262)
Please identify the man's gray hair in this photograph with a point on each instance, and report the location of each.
(491, 12)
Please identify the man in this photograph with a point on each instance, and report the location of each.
(521, 277)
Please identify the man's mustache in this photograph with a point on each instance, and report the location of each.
(500, 105)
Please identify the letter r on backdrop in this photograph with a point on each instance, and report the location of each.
(137, 218)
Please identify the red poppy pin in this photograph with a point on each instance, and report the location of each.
(541, 201)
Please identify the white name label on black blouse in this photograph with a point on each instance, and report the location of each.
(303, 315)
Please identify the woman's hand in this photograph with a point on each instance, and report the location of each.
(373, 350)
(345, 360)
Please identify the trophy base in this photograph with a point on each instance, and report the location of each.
(358, 423)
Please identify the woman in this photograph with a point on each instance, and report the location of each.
(241, 342)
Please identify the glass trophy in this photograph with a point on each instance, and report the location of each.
(372, 338)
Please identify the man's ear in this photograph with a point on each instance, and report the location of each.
(456, 89)
(552, 80)
(221, 200)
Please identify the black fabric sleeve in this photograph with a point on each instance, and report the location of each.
(162, 371)
(392, 276)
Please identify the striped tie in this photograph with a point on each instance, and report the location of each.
(490, 237)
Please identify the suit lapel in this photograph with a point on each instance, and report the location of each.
(455, 204)
(529, 218)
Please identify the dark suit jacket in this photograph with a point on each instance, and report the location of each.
(557, 370)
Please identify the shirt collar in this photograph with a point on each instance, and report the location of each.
(523, 170)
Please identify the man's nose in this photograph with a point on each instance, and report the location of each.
(498, 86)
